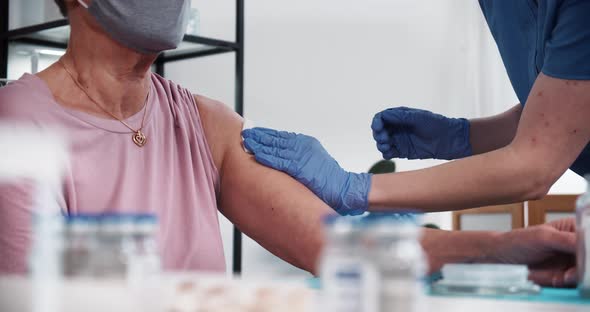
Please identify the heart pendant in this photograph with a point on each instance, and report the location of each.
(139, 138)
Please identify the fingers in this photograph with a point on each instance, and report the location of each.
(270, 138)
(257, 148)
(397, 116)
(274, 162)
(545, 277)
(275, 133)
(382, 137)
(571, 277)
(271, 148)
(562, 241)
(566, 225)
(377, 125)
(554, 277)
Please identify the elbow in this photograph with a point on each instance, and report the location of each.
(537, 191)
(536, 185)
(310, 262)
(532, 176)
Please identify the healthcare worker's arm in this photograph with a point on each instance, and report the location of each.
(491, 133)
(267, 205)
(552, 131)
(403, 132)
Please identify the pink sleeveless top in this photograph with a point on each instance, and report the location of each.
(172, 176)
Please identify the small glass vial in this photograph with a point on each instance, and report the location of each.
(583, 238)
(348, 279)
(111, 260)
(141, 249)
(393, 242)
(80, 246)
(127, 246)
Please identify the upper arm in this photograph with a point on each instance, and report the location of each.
(553, 128)
(494, 132)
(267, 205)
(15, 226)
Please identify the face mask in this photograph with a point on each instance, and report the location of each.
(147, 26)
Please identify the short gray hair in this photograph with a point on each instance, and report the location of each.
(63, 8)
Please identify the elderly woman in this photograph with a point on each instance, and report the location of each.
(141, 143)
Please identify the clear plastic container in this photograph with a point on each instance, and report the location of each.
(392, 243)
(485, 280)
(583, 237)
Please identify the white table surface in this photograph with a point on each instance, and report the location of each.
(16, 296)
(446, 304)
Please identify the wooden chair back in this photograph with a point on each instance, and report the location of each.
(559, 205)
(516, 212)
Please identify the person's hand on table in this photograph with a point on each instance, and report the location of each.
(549, 250)
(305, 159)
(403, 132)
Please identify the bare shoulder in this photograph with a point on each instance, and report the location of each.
(24, 99)
(222, 127)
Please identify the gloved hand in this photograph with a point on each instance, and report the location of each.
(306, 160)
(419, 134)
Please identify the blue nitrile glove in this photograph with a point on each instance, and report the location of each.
(306, 160)
(419, 134)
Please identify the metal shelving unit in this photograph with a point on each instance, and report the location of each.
(55, 34)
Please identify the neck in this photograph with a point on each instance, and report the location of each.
(115, 77)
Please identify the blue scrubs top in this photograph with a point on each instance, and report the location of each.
(548, 36)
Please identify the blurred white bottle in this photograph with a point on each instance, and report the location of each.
(393, 244)
(583, 236)
(348, 278)
(39, 156)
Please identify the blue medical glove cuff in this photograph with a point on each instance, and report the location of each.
(355, 195)
(459, 145)
(465, 130)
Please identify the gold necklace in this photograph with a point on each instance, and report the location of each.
(138, 136)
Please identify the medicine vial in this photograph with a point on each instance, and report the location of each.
(393, 244)
(348, 277)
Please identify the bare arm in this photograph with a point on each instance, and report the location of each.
(548, 250)
(491, 133)
(552, 132)
(269, 206)
(284, 216)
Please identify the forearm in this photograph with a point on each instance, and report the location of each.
(499, 177)
(552, 132)
(491, 133)
(444, 247)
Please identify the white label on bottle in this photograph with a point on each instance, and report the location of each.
(586, 237)
(402, 294)
(348, 286)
